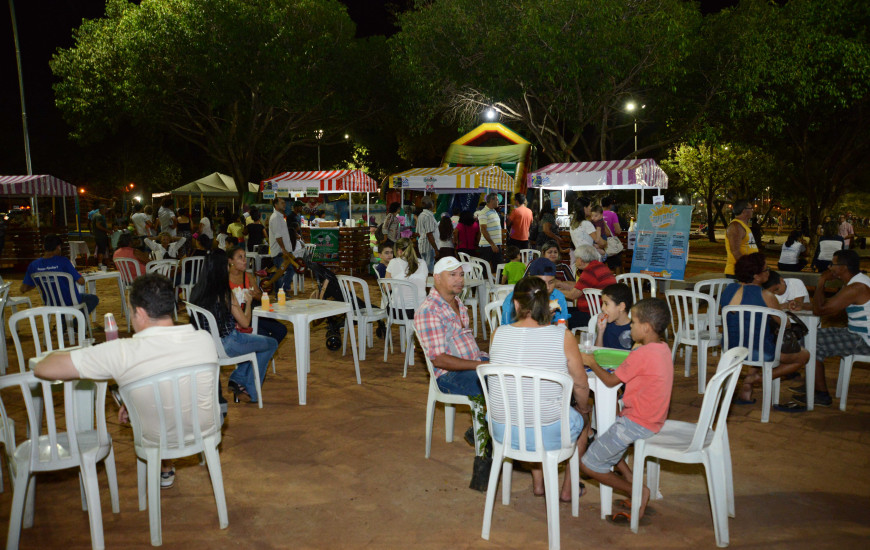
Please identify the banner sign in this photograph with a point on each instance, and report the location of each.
(662, 245)
(326, 241)
(268, 195)
(282, 193)
(312, 191)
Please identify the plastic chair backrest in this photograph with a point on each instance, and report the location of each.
(520, 405)
(348, 286)
(500, 292)
(499, 269)
(477, 270)
(4, 358)
(593, 298)
(50, 449)
(687, 319)
(310, 248)
(636, 281)
(193, 266)
(492, 311)
(465, 258)
(714, 288)
(48, 327)
(717, 397)
(166, 267)
(485, 270)
(129, 269)
(751, 322)
(51, 284)
(529, 254)
(161, 411)
(401, 295)
(197, 316)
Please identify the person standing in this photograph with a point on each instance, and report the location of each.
(279, 243)
(489, 246)
(846, 231)
(166, 217)
(519, 222)
(426, 228)
(608, 205)
(205, 227)
(140, 220)
(101, 233)
(738, 236)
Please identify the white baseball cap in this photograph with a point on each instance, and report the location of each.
(446, 264)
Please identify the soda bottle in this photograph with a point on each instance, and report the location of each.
(264, 301)
(562, 323)
(111, 327)
(282, 297)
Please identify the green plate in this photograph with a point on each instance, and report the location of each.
(610, 358)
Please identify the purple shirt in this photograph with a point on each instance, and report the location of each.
(612, 221)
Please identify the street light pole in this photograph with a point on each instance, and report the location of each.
(319, 134)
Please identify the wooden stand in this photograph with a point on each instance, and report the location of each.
(354, 251)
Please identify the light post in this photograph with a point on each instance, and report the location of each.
(319, 135)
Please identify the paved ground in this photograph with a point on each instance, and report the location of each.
(347, 471)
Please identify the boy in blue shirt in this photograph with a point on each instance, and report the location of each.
(385, 251)
(545, 270)
(614, 324)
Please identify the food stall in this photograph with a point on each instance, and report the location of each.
(344, 248)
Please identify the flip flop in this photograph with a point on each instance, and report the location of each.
(623, 519)
(791, 407)
(626, 503)
(582, 492)
(738, 401)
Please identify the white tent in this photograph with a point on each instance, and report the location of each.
(606, 175)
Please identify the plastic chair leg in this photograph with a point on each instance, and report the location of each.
(92, 494)
(109, 464)
(507, 471)
(430, 423)
(213, 460)
(843, 380)
(702, 366)
(153, 483)
(29, 500)
(637, 483)
(16, 512)
(551, 495)
(491, 488)
(449, 418)
(141, 474)
(767, 393)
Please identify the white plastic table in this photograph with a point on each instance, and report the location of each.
(91, 287)
(605, 416)
(812, 322)
(300, 313)
(76, 248)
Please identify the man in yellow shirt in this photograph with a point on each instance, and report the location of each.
(738, 236)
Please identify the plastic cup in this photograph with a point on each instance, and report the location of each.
(104, 268)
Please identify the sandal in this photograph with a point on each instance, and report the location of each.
(623, 519)
(791, 406)
(237, 390)
(626, 503)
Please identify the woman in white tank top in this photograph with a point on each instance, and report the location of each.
(532, 341)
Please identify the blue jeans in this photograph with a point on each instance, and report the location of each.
(90, 301)
(286, 282)
(238, 343)
(271, 328)
(460, 382)
(429, 258)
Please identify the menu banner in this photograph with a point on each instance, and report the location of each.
(661, 248)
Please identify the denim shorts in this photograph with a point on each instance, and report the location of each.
(551, 433)
(607, 448)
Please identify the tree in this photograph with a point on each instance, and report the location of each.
(801, 93)
(245, 81)
(562, 70)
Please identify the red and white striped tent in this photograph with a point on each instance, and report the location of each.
(47, 186)
(606, 175)
(329, 181)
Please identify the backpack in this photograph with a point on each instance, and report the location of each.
(379, 232)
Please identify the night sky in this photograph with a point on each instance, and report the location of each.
(45, 25)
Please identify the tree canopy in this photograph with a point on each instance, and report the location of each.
(245, 81)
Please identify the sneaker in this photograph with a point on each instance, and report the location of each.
(822, 399)
(167, 479)
(799, 389)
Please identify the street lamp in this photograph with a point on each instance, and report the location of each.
(319, 135)
(490, 114)
(631, 107)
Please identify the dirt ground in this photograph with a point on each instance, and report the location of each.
(347, 471)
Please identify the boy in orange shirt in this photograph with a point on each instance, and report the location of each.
(648, 375)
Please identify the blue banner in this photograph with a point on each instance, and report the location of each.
(662, 245)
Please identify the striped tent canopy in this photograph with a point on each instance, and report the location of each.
(44, 185)
(454, 179)
(600, 176)
(329, 181)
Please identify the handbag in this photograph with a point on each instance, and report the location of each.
(794, 333)
(614, 245)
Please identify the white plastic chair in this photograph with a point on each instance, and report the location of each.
(190, 268)
(299, 278)
(636, 282)
(492, 312)
(168, 268)
(529, 254)
(500, 292)
(198, 314)
(714, 288)
(522, 409)
(46, 326)
(51, 284)
(845, 374)
(449, 400)
(129, 269)
(364, 314)
(692, 328)
(703, 443)
(751, 322)
(593, 298)
(167, 426)
(499, 271)
(471, 297)
(4, 358)
(400, 296)
(14, 301)
(465, 257)
(81, 446)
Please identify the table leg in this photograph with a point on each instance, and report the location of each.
(91, 288)
(301, 336)
(124, 301)
(810, 371)
(605, 415)
(348, 326)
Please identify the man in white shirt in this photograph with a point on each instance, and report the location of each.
(157, 346)
(140, 220)
(279, 243)
(426, 227)
(489, 247)
(790, 293)
(166, 217)
(846, 231)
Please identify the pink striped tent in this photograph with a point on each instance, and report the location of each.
(44, 185)
(606, 175)
(329, 181)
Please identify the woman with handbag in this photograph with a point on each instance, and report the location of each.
(752, 272)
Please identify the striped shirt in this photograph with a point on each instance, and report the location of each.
(538, 347)
(425, 225)
(490, 219)
(859, 314)
(442, 331)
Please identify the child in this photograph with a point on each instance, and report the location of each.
(385, 251)
(648, 375)
(515, 268)
(614, 329)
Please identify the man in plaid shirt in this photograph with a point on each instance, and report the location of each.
(442, 326)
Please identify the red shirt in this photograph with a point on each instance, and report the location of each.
(648, 375)
(595, 275)
(520, 220)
